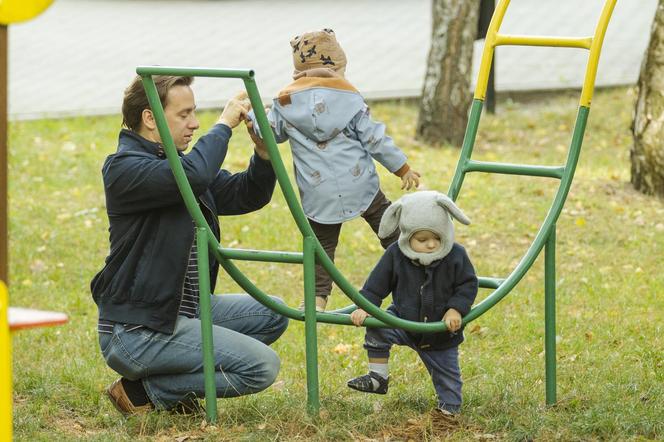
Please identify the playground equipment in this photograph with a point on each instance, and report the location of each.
(11, 11)
(11, 319)
(311, 249)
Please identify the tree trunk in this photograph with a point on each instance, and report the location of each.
(647, 154)
(446, 92)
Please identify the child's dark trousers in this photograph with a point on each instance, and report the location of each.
(328, 236)
(443, 365)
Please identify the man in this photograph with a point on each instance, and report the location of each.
(147, 293)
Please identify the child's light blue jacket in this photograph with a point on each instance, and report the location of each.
(333, 141)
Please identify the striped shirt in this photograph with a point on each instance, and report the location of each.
(190, 296)
(190, 291)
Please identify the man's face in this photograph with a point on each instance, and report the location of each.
(180, 115)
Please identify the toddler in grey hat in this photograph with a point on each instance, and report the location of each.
(431, 279)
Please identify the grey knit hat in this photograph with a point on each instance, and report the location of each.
(424, 210)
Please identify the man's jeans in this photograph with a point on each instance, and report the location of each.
(171, 366)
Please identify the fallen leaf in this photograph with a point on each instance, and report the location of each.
(342, 349)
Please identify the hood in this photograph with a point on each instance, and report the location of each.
(422, 210)
(320, 108)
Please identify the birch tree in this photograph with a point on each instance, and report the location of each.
(446, 91)
(647, 153)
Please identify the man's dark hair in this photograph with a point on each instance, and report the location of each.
(136, 100)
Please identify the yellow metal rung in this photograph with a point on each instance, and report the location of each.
(535, 40)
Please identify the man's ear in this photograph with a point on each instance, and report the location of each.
(147, 117)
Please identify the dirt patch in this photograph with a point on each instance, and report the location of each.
(72, 426)
(432, 426)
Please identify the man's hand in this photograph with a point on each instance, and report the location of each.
(235, 110)
(410, 179)
(259, 145)
(452, 320)
(358, 317)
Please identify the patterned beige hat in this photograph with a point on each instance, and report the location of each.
(318, 49)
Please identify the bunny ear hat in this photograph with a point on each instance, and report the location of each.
(424, 210)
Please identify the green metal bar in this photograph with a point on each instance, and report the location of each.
(277, 163)
(484, 282)
(545, 229)
(261, 255)
(489, 283)
(550, 316)
(206, 324)
(310, 324)
(379, 317)
(515, 169)
(145, 71)
(466, 148)
(171, 153)
(335, 317)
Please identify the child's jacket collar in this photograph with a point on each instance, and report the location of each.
(304, 83)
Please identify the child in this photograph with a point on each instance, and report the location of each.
(333, 140)
(431, 279)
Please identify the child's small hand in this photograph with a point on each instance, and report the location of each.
(452, 320)
(410, 179)
(358, 317)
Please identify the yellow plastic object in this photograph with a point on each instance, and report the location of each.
(12, 11)
(5, 368)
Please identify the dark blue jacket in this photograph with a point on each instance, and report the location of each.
(151, 232)
(424, 293)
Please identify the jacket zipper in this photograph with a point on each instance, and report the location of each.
(421, 299)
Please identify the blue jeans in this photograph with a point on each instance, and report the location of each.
(442, 365)
(171, 366)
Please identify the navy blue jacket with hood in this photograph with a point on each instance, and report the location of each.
(423, 293)
(151, 232)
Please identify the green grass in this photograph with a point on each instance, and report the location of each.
(610, 286)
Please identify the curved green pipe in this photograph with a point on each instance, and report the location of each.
(545, 229)
(380, 318)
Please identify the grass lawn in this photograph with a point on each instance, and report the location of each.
(610, 292)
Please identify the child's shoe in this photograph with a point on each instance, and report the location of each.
(449, 410)
(365, 383)
(321, 303)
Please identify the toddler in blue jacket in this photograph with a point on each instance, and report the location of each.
(431, 279)
(334, 142)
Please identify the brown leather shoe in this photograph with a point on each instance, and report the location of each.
(118, 396)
